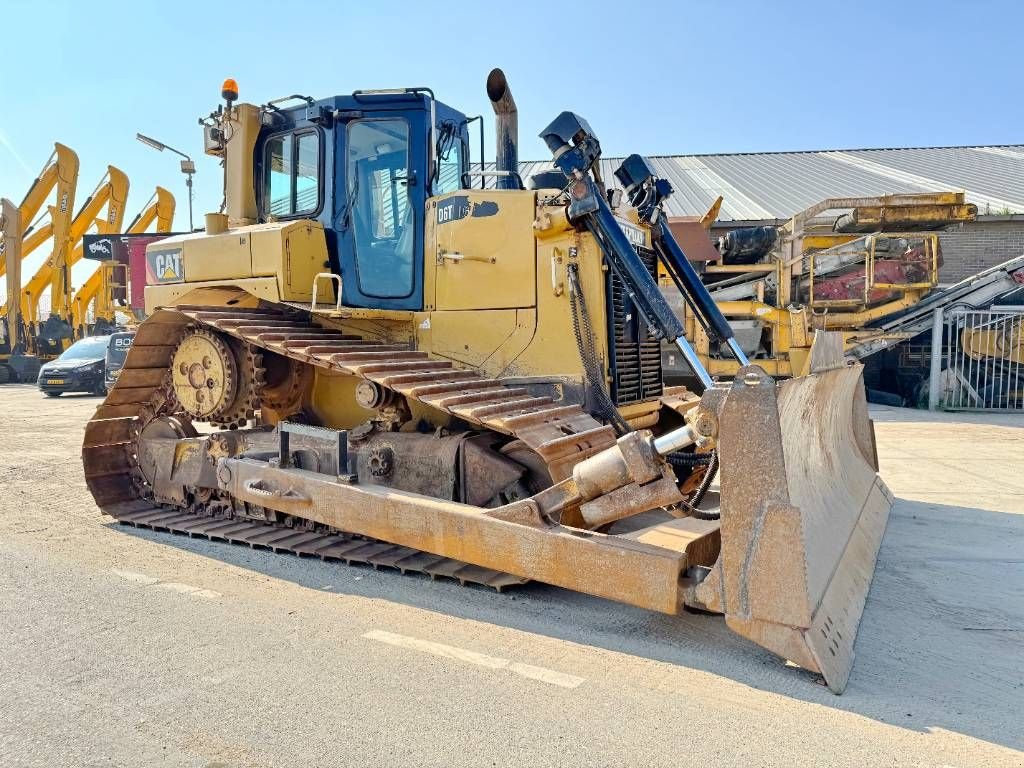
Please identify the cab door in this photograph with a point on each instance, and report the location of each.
(381, 184)
(484, 249)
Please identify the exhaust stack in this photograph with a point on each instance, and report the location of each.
(506, 124)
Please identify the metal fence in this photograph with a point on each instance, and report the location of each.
(980, 365)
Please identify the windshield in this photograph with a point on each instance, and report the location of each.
(85, 349)
(117, 349)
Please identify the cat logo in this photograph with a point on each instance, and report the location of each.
(164, 267)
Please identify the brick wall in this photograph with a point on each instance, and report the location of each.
(979, 245)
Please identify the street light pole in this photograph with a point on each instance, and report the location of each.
(188, 167)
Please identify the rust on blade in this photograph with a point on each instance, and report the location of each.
(803, 513)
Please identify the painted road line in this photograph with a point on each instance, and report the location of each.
(542, 674)
(171, 586)
(138, 578)
(187, 589)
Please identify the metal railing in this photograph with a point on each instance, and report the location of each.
(978, 360)
(334, 280)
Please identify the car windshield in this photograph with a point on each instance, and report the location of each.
(83, 349)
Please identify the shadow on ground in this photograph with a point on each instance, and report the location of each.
(940, 644)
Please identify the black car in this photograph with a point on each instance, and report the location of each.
(117, 351)
(78, 369)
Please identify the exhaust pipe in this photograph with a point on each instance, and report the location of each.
(506, 124)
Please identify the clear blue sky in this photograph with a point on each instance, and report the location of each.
(651, 77)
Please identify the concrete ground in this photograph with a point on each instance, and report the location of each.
(121, 647)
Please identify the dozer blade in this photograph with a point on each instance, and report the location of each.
(803, 513)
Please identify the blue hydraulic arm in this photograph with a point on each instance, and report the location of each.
(647, 193)
(576, 150)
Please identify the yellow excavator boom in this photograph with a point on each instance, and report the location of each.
(160, 210)
(60, 174)
(10, 224)
(112, 192)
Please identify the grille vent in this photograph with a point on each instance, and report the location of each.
(636, 356)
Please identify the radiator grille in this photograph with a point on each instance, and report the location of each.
(635, 355)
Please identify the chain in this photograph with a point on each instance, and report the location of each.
(592, 373)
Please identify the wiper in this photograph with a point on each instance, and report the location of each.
(345, 217)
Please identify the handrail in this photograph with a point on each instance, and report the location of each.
(316, 285)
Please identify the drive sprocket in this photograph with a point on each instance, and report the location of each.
(215, 378)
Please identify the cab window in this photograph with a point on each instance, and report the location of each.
(291, 174)
(449, 168)
(383, 221)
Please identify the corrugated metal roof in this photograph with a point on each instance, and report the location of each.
(776, 185)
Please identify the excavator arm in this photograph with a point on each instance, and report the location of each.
(160, 210)
(10, 224)
(61, 174)
(111, 193)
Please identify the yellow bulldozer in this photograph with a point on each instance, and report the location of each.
(370, 357)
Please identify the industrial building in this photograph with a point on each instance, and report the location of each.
(770, 187)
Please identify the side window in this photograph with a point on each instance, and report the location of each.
(278, 191)
(383, 221)
(291, 174)
(307, 172)
(449, 169)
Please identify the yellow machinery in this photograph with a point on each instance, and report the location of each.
(1004, 343)
(21, 236)
(111, 277)
(56, 332)
(879, 258)
(367, 358)
(12, 341)
(59, 176)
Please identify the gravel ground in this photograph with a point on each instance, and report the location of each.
(130, 648)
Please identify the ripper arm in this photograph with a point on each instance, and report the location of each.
(576, 151)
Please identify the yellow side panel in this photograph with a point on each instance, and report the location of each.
(212, 257)
(295, 251)
(483, 246)
(290, 253)
(305, 255)
(553, 349)
(489, 341)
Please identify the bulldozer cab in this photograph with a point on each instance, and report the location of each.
(363, 166)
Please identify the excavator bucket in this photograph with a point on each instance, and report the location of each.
(803, 512)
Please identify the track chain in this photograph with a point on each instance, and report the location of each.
(562, 435)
